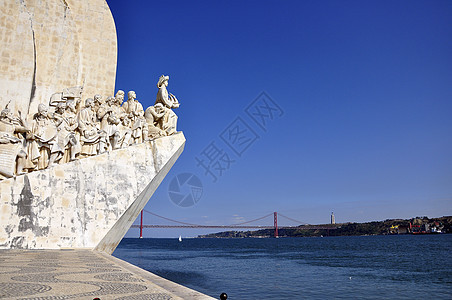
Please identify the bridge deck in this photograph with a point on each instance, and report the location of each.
(304, 227)
(81, 274)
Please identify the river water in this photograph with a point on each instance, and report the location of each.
(363, 267)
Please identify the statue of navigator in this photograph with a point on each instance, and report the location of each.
(168, 101)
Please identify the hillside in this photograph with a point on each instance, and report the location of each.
(419, 225)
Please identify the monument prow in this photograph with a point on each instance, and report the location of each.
(88, 203)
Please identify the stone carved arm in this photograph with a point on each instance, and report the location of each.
(72, 124)
(58, 119)
(173, 98)
(157, 115)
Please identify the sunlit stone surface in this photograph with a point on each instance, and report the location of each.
(47, 46)
(87, 203)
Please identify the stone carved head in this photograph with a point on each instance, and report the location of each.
(131, 95)
(89, 102)
(98, 99)
(119, 97)
(43, 109)
(110, 100)
(159, 108)
(70, 104)
(61, 107)
(163, 80)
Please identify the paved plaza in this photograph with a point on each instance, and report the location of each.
(81, 274)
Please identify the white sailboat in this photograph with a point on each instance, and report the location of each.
(180, 238)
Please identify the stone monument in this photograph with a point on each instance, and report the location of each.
(75, 171)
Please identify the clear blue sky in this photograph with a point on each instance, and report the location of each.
(365, 89)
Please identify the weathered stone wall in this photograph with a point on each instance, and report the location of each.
(87, 203)
(49, 45)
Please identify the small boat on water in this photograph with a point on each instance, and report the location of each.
(180, 238)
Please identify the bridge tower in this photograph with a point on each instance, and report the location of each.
(275, 223)
(141, 225)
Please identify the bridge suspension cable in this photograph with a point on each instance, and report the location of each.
(168, 219)
(223, 226)
(237, 225)
(293, 220)
(191, 224)
(253, 220)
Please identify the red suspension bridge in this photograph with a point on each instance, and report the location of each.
(242, 225)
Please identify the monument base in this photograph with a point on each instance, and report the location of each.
(88, 203)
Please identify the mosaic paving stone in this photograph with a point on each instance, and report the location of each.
(48, 298)
(24, 270)
(13, 289)
(8, 269)
(159, 296)
(45, 264)
(39, 277)
(100, 265)
(102, 270)
(80, 274)
(118, 277)
(110, 288)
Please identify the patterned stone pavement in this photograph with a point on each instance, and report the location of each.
(81, 274)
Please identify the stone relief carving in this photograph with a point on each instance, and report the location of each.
(12, 145)
(92, 138)
(125, 132)
(135, 113)
(65, 130)
(68, 139)
(168, 123)
(167, 99)
(43, 148)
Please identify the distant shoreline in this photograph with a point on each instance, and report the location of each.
(417, 225)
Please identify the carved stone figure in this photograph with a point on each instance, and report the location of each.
(135, 113)
(43, 149)
(12, 152)
(168, 122)
(98, 101)
(66, 122)
(153, 116)
(119, 97)
(125, 132)
(92, 139)
(68, 130)
(109, 122)
(168, 101)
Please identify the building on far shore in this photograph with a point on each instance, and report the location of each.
(333, 220)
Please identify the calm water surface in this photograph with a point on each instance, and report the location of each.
(370, 267)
